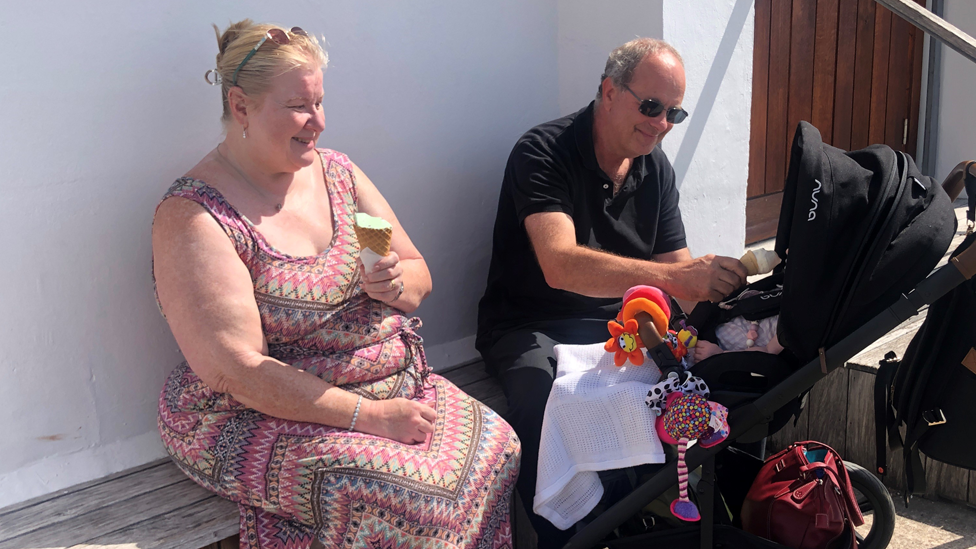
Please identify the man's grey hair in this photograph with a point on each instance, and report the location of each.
(623, 60)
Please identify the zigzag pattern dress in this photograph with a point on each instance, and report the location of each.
(295, 482)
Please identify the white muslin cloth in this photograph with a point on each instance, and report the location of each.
(595, 419)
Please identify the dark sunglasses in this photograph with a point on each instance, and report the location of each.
(278, 36)
(653, 108)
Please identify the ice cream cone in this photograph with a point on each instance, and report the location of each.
(749, 260)
(373, 233)
(760, 261)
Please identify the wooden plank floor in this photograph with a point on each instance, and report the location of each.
(152, 506)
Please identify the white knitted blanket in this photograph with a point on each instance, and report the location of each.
(595, 420)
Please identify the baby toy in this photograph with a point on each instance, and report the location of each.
(625, 342)
(683, 410)
(687, 415)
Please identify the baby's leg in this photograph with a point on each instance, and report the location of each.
(705, 349)
(773, 347)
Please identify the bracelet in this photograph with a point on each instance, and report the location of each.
(355, 414)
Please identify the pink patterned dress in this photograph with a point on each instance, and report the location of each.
(295, 482)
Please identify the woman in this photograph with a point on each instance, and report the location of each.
(305, 396)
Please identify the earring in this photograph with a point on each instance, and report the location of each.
(245, 133)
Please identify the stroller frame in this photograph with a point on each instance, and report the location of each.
(756, 414)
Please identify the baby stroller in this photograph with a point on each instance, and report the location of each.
(859, 234)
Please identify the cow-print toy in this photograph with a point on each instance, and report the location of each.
(659, 392)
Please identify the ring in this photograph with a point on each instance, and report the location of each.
(392, 284)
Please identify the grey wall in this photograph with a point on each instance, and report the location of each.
(588, 31)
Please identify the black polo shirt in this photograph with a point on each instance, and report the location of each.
(553, 168)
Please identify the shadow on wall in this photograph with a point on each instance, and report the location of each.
(709, 93)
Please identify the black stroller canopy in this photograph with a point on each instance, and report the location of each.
(857, 229)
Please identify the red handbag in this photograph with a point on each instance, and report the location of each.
(802, 498)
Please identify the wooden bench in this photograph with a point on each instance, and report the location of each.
(156, 506)
(152, 506)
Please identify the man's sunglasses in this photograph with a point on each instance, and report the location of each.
(278, 36)
(653, 108)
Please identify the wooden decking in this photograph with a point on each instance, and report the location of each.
(154, 506)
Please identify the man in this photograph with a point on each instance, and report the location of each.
(588, 209)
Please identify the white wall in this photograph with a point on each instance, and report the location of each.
(588, 31)
(710, 151)
(957, 116)
(103, 105)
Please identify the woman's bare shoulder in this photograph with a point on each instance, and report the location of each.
(181, 220)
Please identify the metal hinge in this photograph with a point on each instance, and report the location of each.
(904, 135)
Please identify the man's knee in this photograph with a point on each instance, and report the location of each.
(521, 349)
(527, 390)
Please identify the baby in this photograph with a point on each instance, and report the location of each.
(740, 334)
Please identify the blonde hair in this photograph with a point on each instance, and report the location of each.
(271, 59)
(624, 60)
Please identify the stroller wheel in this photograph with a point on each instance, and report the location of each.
(876, 506)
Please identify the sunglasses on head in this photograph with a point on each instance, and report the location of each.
(278, 36)
(653, 108)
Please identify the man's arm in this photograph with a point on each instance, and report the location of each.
(594, 273)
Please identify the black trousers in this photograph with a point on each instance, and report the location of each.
(523, 360)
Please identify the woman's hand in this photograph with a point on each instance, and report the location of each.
(384, 281)
(399, 419)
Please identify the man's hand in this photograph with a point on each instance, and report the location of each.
(707, 278)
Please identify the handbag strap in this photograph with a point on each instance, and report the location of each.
(833, 468)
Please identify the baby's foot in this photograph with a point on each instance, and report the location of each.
(705, 349)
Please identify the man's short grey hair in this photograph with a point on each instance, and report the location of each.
(623, 60)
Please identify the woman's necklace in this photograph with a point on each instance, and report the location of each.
(240, 173)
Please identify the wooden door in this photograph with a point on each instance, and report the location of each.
(849, 67)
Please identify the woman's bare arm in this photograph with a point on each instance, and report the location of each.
(404, 262)
(208, 298)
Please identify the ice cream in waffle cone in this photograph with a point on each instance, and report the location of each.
(375, 235)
